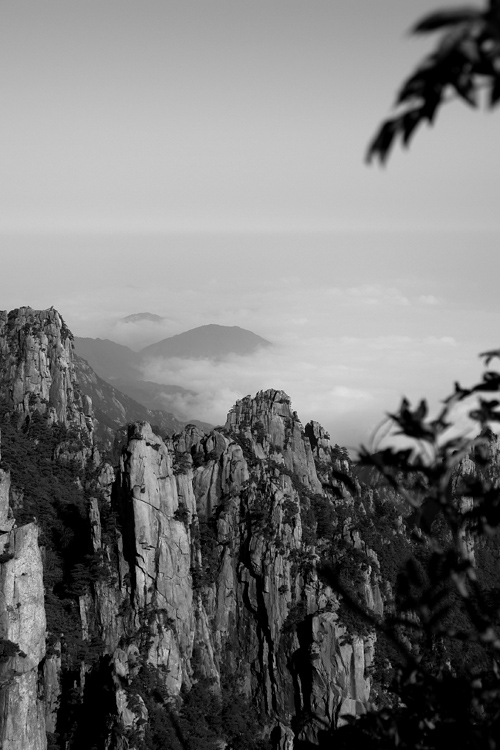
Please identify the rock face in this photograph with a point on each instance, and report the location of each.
(22, 623)
(269, 422)
(37, 373)
(22, 631)
(157, 549)
(198, 566)
(244, 600)
(36, 378)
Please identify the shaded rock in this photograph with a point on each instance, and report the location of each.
(22, 630)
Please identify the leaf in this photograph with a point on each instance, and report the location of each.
(491, 383)
(412, 423)
(488, 356)
(460, 393)
(421, 412)
(415, 85)
(381, 144)
(446, 17)
(410, 121)
(471, 51)
(387, 458)
(431, 105)
(464, 86)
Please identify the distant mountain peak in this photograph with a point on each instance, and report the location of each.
(211, 341)
(138, 317)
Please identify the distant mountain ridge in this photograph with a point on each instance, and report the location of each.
(112, 374)
(113, 361)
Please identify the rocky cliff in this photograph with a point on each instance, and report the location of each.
(37, 372)
(22, 630)
(188, 598)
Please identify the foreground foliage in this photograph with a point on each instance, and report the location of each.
(444, 629)
(465, 61)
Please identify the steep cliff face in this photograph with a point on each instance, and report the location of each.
(37, 372)
(22, 631)
(294, 653)
(210, 576)
(192, 573)
(37, 387)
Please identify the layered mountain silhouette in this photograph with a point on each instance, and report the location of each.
(114, 409)
(122, 367)
(108, 359)
(114, 361)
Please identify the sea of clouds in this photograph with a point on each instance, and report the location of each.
(349, 400)
(346, 355)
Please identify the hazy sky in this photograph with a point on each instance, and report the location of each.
(204, 161)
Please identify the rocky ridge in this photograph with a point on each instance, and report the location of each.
(37, 372)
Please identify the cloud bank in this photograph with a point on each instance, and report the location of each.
(348, 400)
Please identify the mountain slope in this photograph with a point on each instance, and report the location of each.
(108, 359)
(109, 374)
(114, 409)
(120, 366)
(207, 342)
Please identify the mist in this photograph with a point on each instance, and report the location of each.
(138, 334)
(348, 400)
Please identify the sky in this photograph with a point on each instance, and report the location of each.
(204, 161)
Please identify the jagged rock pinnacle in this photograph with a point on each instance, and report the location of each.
(38, 374)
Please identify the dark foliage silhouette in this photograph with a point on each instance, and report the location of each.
(465, 60)
(442, 635)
